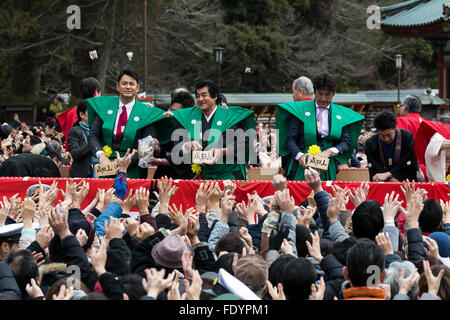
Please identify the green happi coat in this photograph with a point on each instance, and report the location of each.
(223, 119)
(106, 107)
(305, 111)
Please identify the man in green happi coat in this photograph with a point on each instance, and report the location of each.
(334, 128)
(119, 122)
(211, 126)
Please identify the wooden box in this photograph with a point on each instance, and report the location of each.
(353, 174)
(261, 174)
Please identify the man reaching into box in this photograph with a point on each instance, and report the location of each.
(207, 127)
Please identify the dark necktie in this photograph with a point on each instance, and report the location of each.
(122, 123)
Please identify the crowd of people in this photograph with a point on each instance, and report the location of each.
(268, 249)
(122, 246)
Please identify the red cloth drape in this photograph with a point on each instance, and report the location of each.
(188, 188)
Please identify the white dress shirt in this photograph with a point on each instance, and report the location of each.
(325, 128)
(208, 118)
(129, 106)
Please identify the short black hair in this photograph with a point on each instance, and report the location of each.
(385, 120)
(23, 267)
(88, 86)
(298, 275)
(184, 98)
(326, 81)
(431, 216)
(231, 242)
(360, 257)
(129, 73)
(367, 220)
(412, 104)
(132, 286)
(302, 234)
(276, 269)
(340, 249)
(81, 108)
(213, 89)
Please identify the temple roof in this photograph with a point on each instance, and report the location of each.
(415, 13)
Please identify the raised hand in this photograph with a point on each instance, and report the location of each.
(317, 292)
(177, 217)
(123, 163)
(390, 207)
(58, 223)
(408, 189)
(186, 261)
(193, 289)
(243, 233)
(28, 212)
(314, 248)
(129, 202)
(33, 289)
(334, 208)
(166, 192)
(228, 201)
(433, 282)
(405, 284)
(279, 182)
(359, 195)
(64, 293)
(312, 178)
(285, 201)
(384, 242)
(98, 257)
(306, 216)
(142, 200)
(79, 193)
(277, 292)
(154, 282)
(113, 229)
(413, 209)
(44, 236)
(131, 225)
(144, 230)
(204, 191)
(433, 248)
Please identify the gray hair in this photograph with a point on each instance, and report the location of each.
(412, 104)
(393, 273)
(305, 84)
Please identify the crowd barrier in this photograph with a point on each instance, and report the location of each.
(188, 188)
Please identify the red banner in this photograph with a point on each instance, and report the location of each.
(188, 188)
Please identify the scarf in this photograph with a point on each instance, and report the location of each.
(84, 129)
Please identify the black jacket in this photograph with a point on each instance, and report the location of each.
(8, 284)
(81, 152)
(28, 165)
(334, 276)
(407, 166)
(295, 141)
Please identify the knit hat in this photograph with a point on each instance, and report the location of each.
(443, 241)
(252, 271)
(168, 252)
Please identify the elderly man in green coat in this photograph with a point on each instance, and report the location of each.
(334, 128)
(208, 126)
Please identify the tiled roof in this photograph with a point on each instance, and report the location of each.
(414, 13)
(270, 99)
